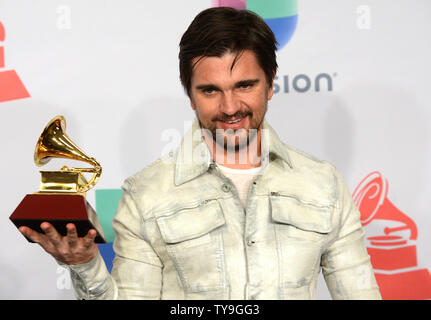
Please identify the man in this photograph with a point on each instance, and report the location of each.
(211, 221)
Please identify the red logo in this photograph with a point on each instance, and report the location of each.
(393, 248)
(11, 87)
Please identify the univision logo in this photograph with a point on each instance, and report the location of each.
(303, 83)
(280, 15)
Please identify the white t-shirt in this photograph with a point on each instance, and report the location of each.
(242, 179)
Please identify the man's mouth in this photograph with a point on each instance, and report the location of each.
(233, 124)
(234, 121)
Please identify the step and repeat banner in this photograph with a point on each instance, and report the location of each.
(352, 88)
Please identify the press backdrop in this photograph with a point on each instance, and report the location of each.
(352, 88)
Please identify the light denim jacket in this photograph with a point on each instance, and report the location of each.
(182, 233)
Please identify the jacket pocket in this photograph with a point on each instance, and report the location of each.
(194, 243)
(301, 230)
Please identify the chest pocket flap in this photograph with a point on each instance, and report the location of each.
(191, 222)
(303, 215)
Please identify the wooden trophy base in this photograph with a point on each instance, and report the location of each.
(59, 210)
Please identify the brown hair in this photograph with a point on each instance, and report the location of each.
(215, 31)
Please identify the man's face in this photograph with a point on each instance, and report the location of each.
(230, 101)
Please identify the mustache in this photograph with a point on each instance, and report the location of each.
(240, 114)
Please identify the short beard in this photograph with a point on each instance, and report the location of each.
(219, 137)
(242, 138)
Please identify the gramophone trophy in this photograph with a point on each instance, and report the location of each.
(61, 196)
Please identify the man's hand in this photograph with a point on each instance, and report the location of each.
(70, 249)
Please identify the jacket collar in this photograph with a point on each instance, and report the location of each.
(194, 157)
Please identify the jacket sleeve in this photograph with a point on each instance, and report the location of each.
(137, 270)
(345, 263)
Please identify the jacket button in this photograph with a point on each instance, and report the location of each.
(225, 188)
(250, 242)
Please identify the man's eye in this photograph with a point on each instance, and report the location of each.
(246, 86)
(209, 91)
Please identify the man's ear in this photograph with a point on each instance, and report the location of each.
(192, 103)
(271, 88)
(270, 92)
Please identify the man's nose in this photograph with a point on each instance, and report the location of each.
(229, 104)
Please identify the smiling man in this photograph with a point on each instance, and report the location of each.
(221, 225)
(230, 95)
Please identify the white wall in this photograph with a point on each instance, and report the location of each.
(111, 69)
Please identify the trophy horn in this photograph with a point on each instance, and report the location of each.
(54, 143)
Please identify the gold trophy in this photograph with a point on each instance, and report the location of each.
(61, 196)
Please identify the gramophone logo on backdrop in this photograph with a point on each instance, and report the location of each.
(11, 87)
(280, 15)
(393, 250)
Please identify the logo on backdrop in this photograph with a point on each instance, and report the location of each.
(280, 15)
(302, 83)
(11, 87)
(393, 248)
